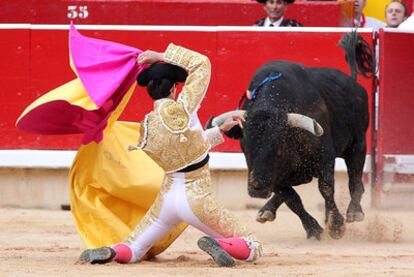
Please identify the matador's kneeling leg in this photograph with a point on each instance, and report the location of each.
(120, 253)
(213, 248)
(244, 249)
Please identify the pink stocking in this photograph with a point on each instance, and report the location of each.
(236, 247)
(123, 253)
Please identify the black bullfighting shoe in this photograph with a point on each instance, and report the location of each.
(100, 255)
(211, 247)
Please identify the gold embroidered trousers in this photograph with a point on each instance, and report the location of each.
(186, 197)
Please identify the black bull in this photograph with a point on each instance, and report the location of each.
(281, 155)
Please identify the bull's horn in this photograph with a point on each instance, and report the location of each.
(306, 123)
(218, 120)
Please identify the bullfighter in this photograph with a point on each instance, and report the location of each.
(174, 138)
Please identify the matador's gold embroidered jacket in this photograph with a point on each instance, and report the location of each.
(172, 135)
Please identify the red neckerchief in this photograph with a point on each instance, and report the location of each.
(362, 22)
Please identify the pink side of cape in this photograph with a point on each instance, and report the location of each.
(104, 67)
(107, 71)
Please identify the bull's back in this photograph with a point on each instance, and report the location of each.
(347, 104)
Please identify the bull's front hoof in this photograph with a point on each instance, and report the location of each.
(337, 233)
(266, 215)
(314, 232)
(336, 226)
(355, 216)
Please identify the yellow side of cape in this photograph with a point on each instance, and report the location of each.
(111, 189)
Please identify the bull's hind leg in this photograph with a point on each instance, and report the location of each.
(293, 201)
(333, 218)
(355, 159)
(268, 211)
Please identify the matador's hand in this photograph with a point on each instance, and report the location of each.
(150, 57)
(231, 122)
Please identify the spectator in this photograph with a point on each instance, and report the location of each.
(360, 20)
(395, 13)
(408, 24)
(275, 9)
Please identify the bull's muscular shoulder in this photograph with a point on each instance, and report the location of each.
(174, 116)
(285, 67)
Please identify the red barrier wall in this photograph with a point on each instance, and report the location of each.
(36, 61)
(241, 53)
(395, 133)
(15, 84)
(159, 12)
(396, 113)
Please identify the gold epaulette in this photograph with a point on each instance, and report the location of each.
(174, 116)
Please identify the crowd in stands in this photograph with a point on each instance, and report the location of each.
(395, 15)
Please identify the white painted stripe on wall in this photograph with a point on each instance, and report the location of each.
(292, 29)
(183, 28)
(62, 159)
(403, 164)
(396, 30)
(53, 159)
(15, 26)
(126, 27)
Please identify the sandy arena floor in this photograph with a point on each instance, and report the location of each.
(45, 243)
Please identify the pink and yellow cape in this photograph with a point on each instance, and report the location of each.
(111, 189)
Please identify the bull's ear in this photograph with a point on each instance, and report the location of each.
(235, 132)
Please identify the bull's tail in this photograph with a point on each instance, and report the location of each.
(359, 55)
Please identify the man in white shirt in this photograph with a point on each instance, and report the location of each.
(362, 21)
(408, 24)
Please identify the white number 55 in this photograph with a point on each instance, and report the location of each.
(77, 11)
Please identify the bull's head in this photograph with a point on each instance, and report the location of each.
(262, 140)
